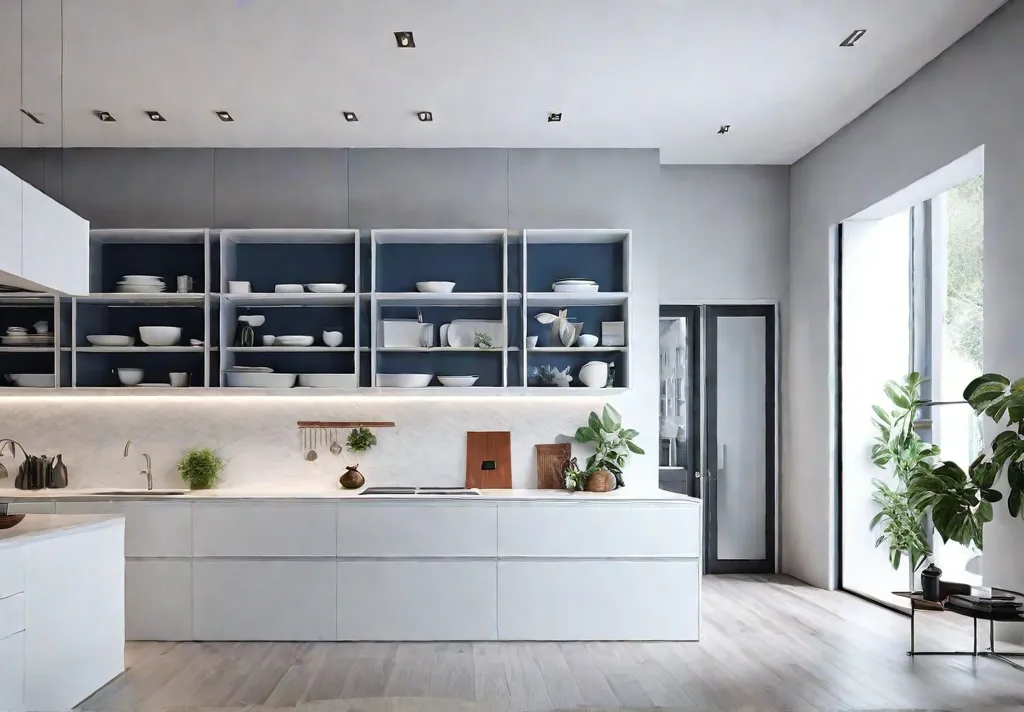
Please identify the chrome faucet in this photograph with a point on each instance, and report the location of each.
(148, 472)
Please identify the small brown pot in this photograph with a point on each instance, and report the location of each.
(353, 478)
(600, 481)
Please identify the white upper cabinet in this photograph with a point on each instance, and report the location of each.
(54, 244)
(10, 222)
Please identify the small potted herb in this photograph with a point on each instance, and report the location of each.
(200, 468)
(613, 444)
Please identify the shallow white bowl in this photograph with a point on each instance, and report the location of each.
(129, 376)
(110, 340)
(403, 380)
(140, 288)
(160, 335)
(327, 380)
(436, 287)
(571, 287)
(153, 385)
(141, 279)
(32, 380)
(587, 341)
(327, 287)
(457, 381)
(293, 341)
(288, 289)
(252, 379)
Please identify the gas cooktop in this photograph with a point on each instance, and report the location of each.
(459, 491)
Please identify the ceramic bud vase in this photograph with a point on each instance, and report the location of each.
(594, 374)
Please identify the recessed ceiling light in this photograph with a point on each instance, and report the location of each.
(350, 116)
(554, 116)
(724, 128)
(425, 115)
(32, 116)
(155, 116)
(853, 37)
(404, 40)
(105, 116)
(224, 116)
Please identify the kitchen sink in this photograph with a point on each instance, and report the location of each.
(135, 492)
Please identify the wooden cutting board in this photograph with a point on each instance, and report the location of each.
(550, 460)
(489, 459)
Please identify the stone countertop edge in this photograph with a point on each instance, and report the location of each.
(46, 526)
(228, 494)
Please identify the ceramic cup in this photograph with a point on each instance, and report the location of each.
(184, 284)
(41, 327)
(268, 339)
(531, 342)
(332, 338)
(179, 380)
(239, 287)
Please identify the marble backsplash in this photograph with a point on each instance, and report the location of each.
(259, 440)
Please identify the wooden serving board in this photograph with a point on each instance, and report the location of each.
(550, 460)
(484, 449)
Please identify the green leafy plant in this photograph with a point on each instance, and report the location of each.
(572, 476)
(361, 440)
(200, 468)
(482, 340)
(613, 443)
(961, 502)
(897, 445)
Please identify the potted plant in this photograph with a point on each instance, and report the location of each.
(961, 502)
(200, 468)
(613, 444)
(897, 445)
(359, 440)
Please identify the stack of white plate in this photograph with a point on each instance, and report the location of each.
(574, 285)
(19, 336)
(141, 284)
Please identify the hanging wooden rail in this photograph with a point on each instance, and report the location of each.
(345, 424)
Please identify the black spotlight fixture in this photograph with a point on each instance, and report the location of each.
(425, 115)
(852, 38)
(104, 116)
(155, 116)
(350, 116)
(224, 116)
(404, 40)
(554, 117)
(724, 129)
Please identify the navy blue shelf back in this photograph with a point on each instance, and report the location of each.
(95, 369)
(41, 362)
(515, 371)
(298, 362)
(486, 364)
(590, 316)
(473, 267)
(548, 263)
(167, 260)
(576, 361)
(365, 380)
(515, 325)
(515, 267)
(125, 321)
(302, 321)
(440, 315)
(365, 266)
(267, 264)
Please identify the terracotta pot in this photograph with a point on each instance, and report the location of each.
(600, 481)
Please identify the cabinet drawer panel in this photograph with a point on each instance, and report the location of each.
(27, 507)
(598, 530)
(12, 615)
(12, 672)
(416, 600)
(264, 529)
(662, 597)
(156, 528)
(158, 600)
(12, 570)
(90, 507)
(264, 600)
(381, 530)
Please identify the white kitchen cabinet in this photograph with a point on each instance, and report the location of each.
(417, 600)
(264, 529)
(380, 529)
(581, 529)
(101, 506)
(598, 600)
(12, 672)
(10, 222)
(156, 529)
(54, 244)
(158, 599)
(32, 507)
(12, 615)
(264, 600)
(12, 571)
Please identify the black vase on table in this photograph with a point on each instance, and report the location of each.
(930, 580)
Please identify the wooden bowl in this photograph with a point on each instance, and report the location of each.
(9, 520)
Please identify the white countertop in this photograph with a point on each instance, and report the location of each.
(36, 526)
(625, 494)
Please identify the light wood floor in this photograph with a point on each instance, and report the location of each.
(769, 644)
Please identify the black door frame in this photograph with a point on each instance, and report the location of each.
(695, 438)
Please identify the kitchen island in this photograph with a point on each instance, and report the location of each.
(335, 565)
(61, 609)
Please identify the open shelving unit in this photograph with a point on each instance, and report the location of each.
(502, 281)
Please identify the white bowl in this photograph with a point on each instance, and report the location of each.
(403, 380)
(160, 335)
(129, 376)
(293, 341)
(251, 379)
(457, 381)
(32, 380)
(326, 287)
(288, 289)
(110, 340)
(574, 287)
(328, 380)
(153, 385)
(141, 279)
(587, 341)
(437, 287)
(139, 288)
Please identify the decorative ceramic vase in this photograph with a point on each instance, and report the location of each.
(353, 478)
(332, 338)
(600, 481)
(594, 374)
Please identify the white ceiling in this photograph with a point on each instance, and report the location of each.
(625, 73)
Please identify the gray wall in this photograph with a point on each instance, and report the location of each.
(973, 94)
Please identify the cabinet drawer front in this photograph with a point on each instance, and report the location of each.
(90, 507)
(158, 600)
(263, 529)
(12, 570)
(598, 530)
(12, 615)
(157, 529)
(416, 600)
(382, 530)
(12, 672)
(27, 507)
(264, 600)
(610, 600)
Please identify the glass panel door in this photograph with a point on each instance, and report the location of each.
(679, 399)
